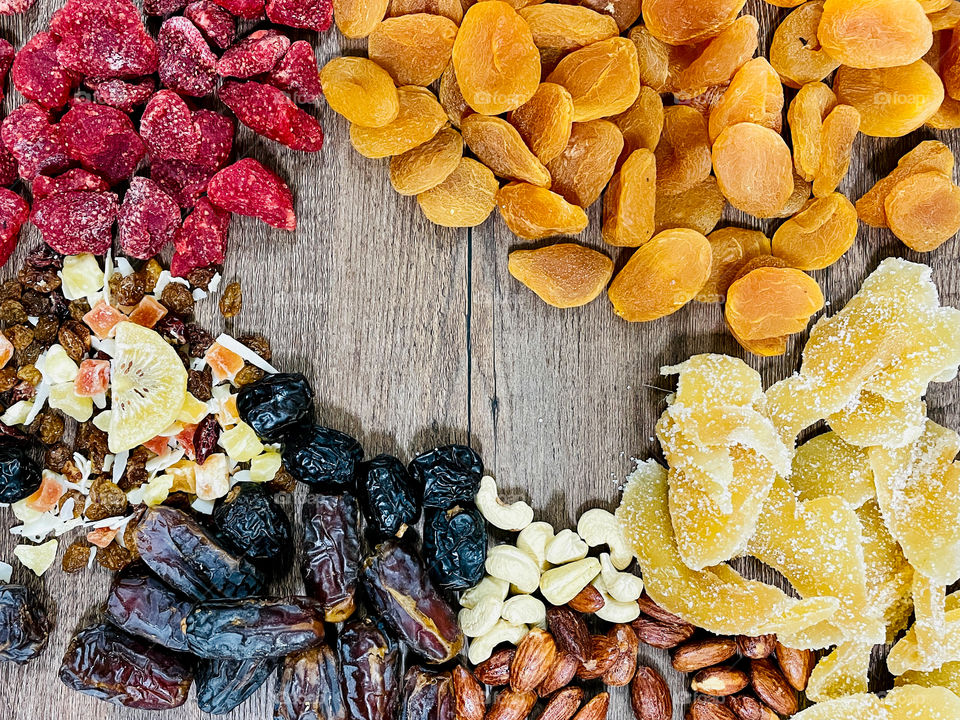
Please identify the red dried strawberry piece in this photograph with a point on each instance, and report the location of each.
(267, 111)
(14, 212)
(202, 240)
(168, 128)
(37, 73)
(103, 140)
(124, 95)
(183, 181)
(247, 9)
(216, 138)
(257, 53)
(297, 73)
(187, 64)
(163, 7)
(34, 141)
(104, 39)
(8, 167)
(15, 7)
(217, 25)
(248, 188)
(148, 219)
(311, 14)
(76, 222)
(7, 55)
(93, 378)
(76, 179)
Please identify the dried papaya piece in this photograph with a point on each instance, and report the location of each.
(795, 51)
(754, 169)
(419, 118)
(699, 208)
(720, 58)
(826, 465)
(819, 235)
(840, 130)
(769, 302)
(923, 210)
(451, 99)
(588, 161)
(812, 104)
(360, 90)
(874, 420)
(567, 27)
(683, 153)
(498, 145)
(358, 18)
(878, 34)
(464, 199)
(642, 123)
(414, 49)
(427, 165)
(891, 101)
(545, 121)
(731, 247)
(564, 275)
(754, 95)
(682, 23)
(603, 78)
(629, 201)
(534, 212)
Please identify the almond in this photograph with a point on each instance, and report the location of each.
(700, 654)
(703, 709)
(719, 681)
(772, 687)
(661, 635)
(512, 705)
(563, 704)
(649, 608)
(796, 665)
(536, 654)
(470, 703)
(595, 709)
(588, 600)
(749, 708)
(602, 654)
(569, 631)
(757, 648)
(561, 674)
(495, 670)
(623, 668)
(650, 696)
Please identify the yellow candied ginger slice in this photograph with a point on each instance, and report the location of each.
(826, 465)
(930, 622)
(843, 672)
(873, 420)
(907, 654)
(947, 676)
(889, 575)
(718, 599)
(908, 702)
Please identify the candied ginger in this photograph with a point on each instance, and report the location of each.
(843, 672)
(946, 676)
(909, 654)
(871, 419)
(909, 702)
(826, 465)
(889, 575)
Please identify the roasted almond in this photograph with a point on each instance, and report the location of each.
(758, 647)
(660, 634)
(796, 665)
(563, 704)
(650, 696)
(699, 654)
(569, 631)
(561, 674)
(512, 705)
(749, 708)
(595, 709)
(719, 681)
(703, 709)
(602, 654)
(536, 654)
(772, 687)
(588, 600)
(495, 670)
(470, 702)
(628, 647)
(649, 608)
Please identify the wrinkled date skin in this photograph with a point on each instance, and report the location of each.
(19, 475)
(370, 667)
(400, 591)
(331, 555)
(388, 497)
(252, 525)
(308, 687)
(223, 684)
(323, 458)
(183, 554)
(24, 625)
(455, 547)
(111, 665)
(449, 475)
(427, 695)
(254, 628)
(145, 606)
(276, 405)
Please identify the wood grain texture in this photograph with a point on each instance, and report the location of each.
(414, 335)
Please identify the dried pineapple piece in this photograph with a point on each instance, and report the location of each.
(843, 672)
(889, 575)
(826, 465)
(873, 420)
(909, 702)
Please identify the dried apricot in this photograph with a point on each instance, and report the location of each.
(624, 12)
(567, 27)
(426, 166)
(795, 51)
(945, 19)
(840, 129)
(892, 101)
(679, 22)
(683, 154)
(498, 145)
(451, 98)
(798, 200)
(875, 34)
(653, 56)
(358, 18)
(720, 58)
(819, 235)
(947, 117)
(465, 199)
(360, 90)
(419, 118)
(588, 162)
(812, 104)
(414, 49)
(770, 302)
(754, 95)
(699, 208)
(662, 276)
(731, 247)
(923, 210)
(930, 155)
(949, 65)
(603, 78)
(642, 123)
(629, 202)
(545, 121)
(534, 212)
(564, 275)
(496, 62)
(450, 9)
(753, 168)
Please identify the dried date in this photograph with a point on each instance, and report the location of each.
(252, 525)
(19, 474)
(370, 668)
(449, 475)
(276, 405)
(455, 547)
(308, 687)
(24, 624)
(331, 557)
(223, 684)
(388, 497)
(323, 458)
(143, 605)
(428, 695)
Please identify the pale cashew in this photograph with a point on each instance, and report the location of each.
(534, 539)
(561, 584)
(566, 547)
(524, 610)
(481, 648)
(622, 586)
(599, 527)
(514, 517)
(515, 566)
(614, 611)
(488, 587)
(481, 617)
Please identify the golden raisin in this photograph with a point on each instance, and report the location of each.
(840, 129)
(419, 119)
(771, 302)
(534, 212)
(875, 34)
(498, 145)
(923, 210)
(892, 101)
(754, 95)
(654, 58)
(629, 202)
(545, 121)
(464, 199)
(753, 168)
(819, 235)
(451, 99)
(231, 302)
(358, 18)
(683, 154)
(720, 58)
(360, 90)
(731, 247)
(567, 27)
(414, 49)
(427, 165)
(450, 9)
(699, 208)
(603, 78)
(680, 22)
(795, 51)
(588, 162)
(812, 104)
(662, 276)
(642, 123)
(564, 275)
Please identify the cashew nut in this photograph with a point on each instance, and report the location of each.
(481, 617)
(613, 610)
(488, 587)
(566, 547)
(534, 539)
(524, 610)
(622, 586)
(561, 584)
(515, 566)
(481, 648)
(513, 517)
(599, 527)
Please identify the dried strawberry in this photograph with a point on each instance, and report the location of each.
(163, 7)
(15, 7)
(8, 167)
(168, 128)
(124, 95)
(183, 181)
(187, 64)
(75, 179)
(14, 212)
(37, 73)
(267, 111)
(297, 73)
(103, 140)
(104, 39)
(311, 14)
(217, 25)
(257, 53)
(148, 219)
(216, 138)
(34, 141)
(247, 9)
(76, 221)
(202, 240)
(7, 55)
(248, 188)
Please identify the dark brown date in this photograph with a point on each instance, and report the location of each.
(331, 556)
(24, 625)
(254, 628)
(308, 687)
(144, 605)
(402, 594)
(109, 664)
(223, 684)
(186, 556)
(427, 695)
(370, 667)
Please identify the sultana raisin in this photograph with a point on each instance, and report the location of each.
(754, 169)
(360, 90)
(567, 27)
(76, 557)
(923, 210)
(683, 154)
(892, 101)
(679, 22)
(730, 248)
(498, 145)
(699, 208)
(51, 428)
(564, 275)
(653, 56)
(465, 199)
(642, 123)
(812, 104)
(450, 9)
(231, 301)
(114, 557)
(20, 336)
(451, 99)
(414, 49)
(819, 235)
(629, 202)
(588, 162)
(720, 58)
(178, 299)
(875, 34)
(419, 119)
(603, 78)
(754, 95)
(358, 18)
(534, 212)
(545, 121)
(127, 290)
(840, 129)
(427, 165)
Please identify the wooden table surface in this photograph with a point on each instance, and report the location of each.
(415, 335)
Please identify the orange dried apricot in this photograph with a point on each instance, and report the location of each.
(720, 58)
(795, 51)
(564, 275)
(653, 56)
(603, 78)
(699, 208)
(624, 12)
(642, 123)
(819, 235)
(753, 168)
(840, 129)
(754, 95)
(588, 162)
(731, 247)
(451, 99)
(759, 261)
(498, 145)
(947, 117)
(567, 27)
(662, 276)
(427, 165)
(450, 9)
(799, 198)
(945, 19)
(496, 63)
(875, 34)
(932, 6)
(683, 154)
(892, 101)
(534, 212)
(949, 65)
(358, 18)
(770, 302)
(680, 22)
(923, 210)
(812, 104)
(414, 49)
(545, 121)
(630, 200)
(465, 199)
(360, 90)
(785, 3)
(419, 119)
